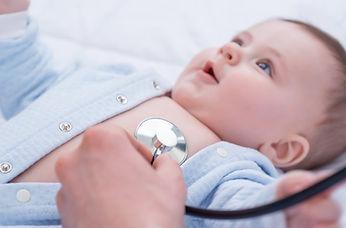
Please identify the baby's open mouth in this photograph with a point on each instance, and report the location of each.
(208, 68)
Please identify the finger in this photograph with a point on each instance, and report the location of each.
(110, 136)
(296, 181)
(167, 167)
(63, 166)
(293, 182)
(62, 202)
(328, 225)
(169, 171)
(321, 175)
(59, 198)
(323, 210)
(106, 144)
(101, 139)
(143, 150)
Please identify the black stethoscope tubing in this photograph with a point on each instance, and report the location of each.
(270, 207)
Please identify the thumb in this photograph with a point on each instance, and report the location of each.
(170, 172)
(167, 167)
(165, 164)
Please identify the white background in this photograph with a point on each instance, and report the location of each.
(165, 34)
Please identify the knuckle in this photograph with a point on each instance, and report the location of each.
(102, 133)
(104, 141)
(93, 133)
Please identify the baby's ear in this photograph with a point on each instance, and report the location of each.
(287, 152)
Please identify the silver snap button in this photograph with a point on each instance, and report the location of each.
(222, 152)
(23, 195)
(5, 167)
(156, 85)
(122, 99)
(65, 126)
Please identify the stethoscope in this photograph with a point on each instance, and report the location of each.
(162, 136)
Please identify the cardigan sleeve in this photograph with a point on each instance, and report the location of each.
(226, 176)
(26, 70)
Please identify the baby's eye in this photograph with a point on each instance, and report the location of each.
(237, 41)
(265, 67)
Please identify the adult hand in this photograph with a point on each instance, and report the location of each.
(108, 182)
(13, 6)
(319, 211)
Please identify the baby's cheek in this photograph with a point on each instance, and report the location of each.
(263, 120)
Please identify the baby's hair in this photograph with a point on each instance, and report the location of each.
(330, 140)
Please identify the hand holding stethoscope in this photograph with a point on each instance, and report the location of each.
(107, 178)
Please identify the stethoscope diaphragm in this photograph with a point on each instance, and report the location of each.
(162, 136)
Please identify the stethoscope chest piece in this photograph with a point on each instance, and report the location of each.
(161, 136)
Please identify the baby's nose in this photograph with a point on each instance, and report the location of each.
(231, 53)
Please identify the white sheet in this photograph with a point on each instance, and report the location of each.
(165, 34)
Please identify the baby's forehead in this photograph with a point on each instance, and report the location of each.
(272, 31)
(286, 35)
(276, 26)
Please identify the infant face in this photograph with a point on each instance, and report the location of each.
(269, 81)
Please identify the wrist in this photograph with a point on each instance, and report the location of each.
(13, 6)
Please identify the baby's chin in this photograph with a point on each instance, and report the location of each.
(181, 94)
(174, 93)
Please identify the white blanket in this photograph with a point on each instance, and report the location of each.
(165, 34)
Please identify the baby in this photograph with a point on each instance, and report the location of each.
(257, 91)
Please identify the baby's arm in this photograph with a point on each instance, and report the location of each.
(25, 65)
